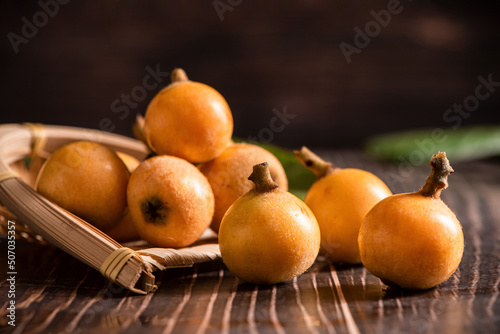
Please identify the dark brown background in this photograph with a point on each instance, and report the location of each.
(263, 55)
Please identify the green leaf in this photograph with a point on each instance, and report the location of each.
(417, 146)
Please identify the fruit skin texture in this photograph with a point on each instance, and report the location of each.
(413, 240)
(228, 175)
(340, 202)
(170, 201)
(87, 179)
(340, 199)
(189, 120)
(268, 237)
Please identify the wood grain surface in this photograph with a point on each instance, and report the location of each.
(58, 294)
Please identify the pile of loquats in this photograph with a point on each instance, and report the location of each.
(198, 178)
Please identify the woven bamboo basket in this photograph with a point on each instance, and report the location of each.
(38, 220)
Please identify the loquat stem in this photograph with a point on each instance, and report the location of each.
(314, 163)
(438, 178)
(138, 131)
(262, 179)
(138, 128)
(178, 75)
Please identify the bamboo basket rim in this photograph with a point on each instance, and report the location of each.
(44, 222)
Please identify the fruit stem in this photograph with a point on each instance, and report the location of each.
(138, 131)
(178, 75)
(262, 179)
(438, 178)
(314, 163)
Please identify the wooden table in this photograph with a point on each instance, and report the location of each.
(58, 294)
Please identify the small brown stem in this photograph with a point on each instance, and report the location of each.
(438, 178)
(138, 131)
(262, 179)
(178, 75)
(138, 128)
(313, 162)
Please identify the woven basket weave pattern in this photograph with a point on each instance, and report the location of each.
(53, 224)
